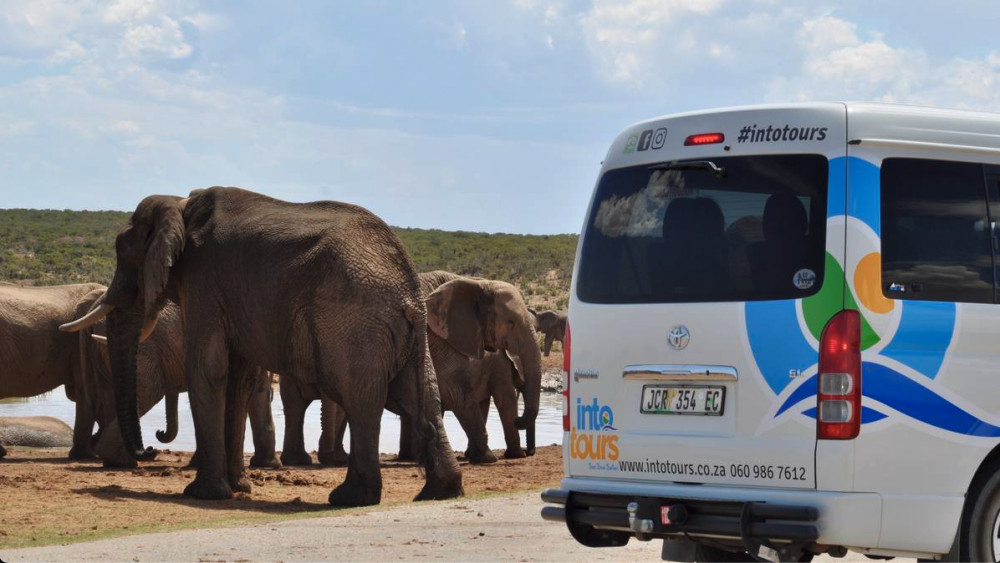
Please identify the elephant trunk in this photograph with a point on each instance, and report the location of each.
(171, 433)
(124, 328)
(531, 362)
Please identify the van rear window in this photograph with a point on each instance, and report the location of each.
(727, 229)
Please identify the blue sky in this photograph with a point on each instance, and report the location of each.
(482, 116)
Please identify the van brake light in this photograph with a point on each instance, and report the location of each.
(838, 412)
(566, 379)
(704, 139)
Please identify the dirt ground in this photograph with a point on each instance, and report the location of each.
(49, 499)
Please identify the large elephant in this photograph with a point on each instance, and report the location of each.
(467, 317)
(35, 357)
(322, 291)
(552, 324)
(160, 373)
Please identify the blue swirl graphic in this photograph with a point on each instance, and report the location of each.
(925, 330)
(777, 342)
(905, 395)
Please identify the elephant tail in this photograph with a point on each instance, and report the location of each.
(430, 442)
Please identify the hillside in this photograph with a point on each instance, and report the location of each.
(47, 247)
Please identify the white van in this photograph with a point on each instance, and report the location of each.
(785, 337)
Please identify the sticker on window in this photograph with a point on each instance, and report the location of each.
(804, 278)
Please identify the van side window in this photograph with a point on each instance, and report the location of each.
(936, 234)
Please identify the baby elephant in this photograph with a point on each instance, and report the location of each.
(552, 324)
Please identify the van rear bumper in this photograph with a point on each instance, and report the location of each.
(598, 513)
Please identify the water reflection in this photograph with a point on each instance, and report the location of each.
(548, 427)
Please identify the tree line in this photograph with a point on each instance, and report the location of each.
(50, 247)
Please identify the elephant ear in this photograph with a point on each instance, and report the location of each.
(517, 373)
(456, 312)
(163, 251)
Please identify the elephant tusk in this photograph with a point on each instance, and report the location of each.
(100, 338)
(89, 319)
(147, 328)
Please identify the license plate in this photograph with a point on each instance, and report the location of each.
(678, 399)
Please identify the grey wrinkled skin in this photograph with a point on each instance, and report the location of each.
(467, 316)
(35, 357)
(323, 292)
(552, 324)
(160, 374)
(35, 432)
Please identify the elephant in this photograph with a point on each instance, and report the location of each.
(324, 292)
(160, 373)
(35, 357)
(470, 318)
(35, 432)
(552, 324)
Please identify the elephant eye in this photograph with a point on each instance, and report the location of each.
(510, 323)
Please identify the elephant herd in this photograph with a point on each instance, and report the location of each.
(215, 292)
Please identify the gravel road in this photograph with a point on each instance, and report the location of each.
(506, 528)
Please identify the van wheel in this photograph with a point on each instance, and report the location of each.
(980, 533)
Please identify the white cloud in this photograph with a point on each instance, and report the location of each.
(128, 11)
(127, 127)
(836, 62)
(206, 22)
(11, 126)
(70, 51)
(626, 38)
(163, 40)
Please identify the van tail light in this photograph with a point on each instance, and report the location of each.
(566, 379)
(838, 413)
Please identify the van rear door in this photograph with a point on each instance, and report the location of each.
(705, 275)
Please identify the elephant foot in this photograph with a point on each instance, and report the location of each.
(296, 458)
(81, 452)
(336, 458)
(270, 461)
(530, 451)
(209, 488)
(241, 485)
(441, 490)
(120, 463)
(480, 457)
(3, 451)
(514, 453)
(347, 496)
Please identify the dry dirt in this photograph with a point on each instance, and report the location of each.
(49, 499)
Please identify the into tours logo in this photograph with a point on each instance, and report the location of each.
(593, 437)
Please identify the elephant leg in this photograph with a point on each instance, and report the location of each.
(262, 424)
(333, 421)
(83, 429)
(470, 416)
(484, 406)
(405, 438)
(242, 381)
(548, 344)
(207, 366)
(506, 401)
(294, 403)
(363, 484)
(3, 451)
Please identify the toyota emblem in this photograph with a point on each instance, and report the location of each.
(678, 337)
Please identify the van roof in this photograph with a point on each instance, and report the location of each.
(890, 123)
